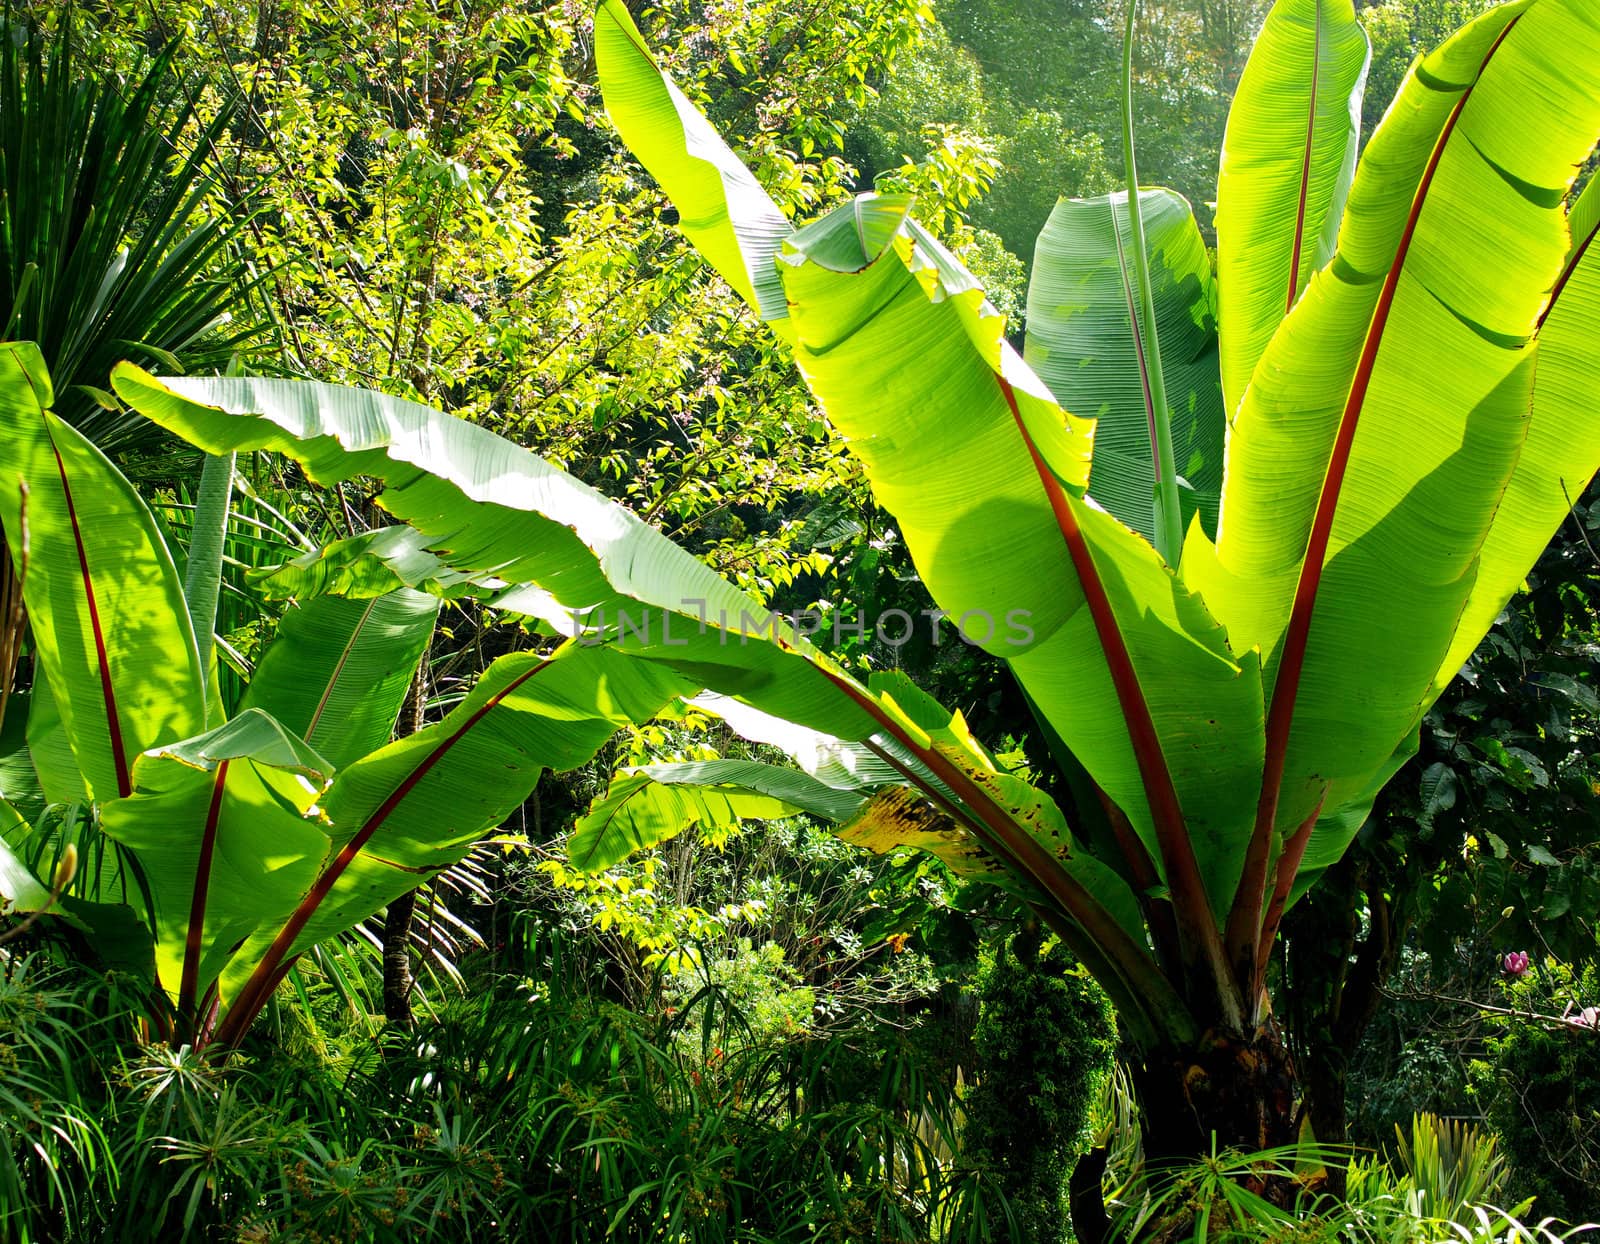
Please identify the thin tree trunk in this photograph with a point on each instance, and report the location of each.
(397, 978)
(398, 981)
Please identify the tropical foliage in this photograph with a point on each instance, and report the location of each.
(405, 832)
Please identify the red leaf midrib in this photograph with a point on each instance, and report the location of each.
(1305, 163)
(1201, 942)
(256, 988)
(1280, 715)
(108, 692)
(194, 937)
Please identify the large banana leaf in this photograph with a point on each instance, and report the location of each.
(1562, 449)
(1356, 443)
(1081, 300)
(966, 447)
(498, 509)
(389, 558)
(226, 839)
(655, 803)
(418, 805)
(491, 508)
(338, 670)
(109, 617)
(371, 564)
(1583, 221)
(1287, 159)
(49, 750)
(721, 207)
(1387, 416)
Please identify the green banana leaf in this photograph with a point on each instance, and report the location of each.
(1080, 341)
(499, 509)
(966, 447)
(227, 840)
(49, 749)
(489, 507)
(19, 779)
(202, 572)
(721, 207)
(1288, 155)
(373, 563)
(1351, 440)
(654, 803)
(107, 608)
(1584, 220)
(338, 670)
(1562, 449)
(418, 805)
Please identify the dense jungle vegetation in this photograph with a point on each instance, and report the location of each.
(671, 623)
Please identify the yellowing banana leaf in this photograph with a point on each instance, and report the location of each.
(899, 818)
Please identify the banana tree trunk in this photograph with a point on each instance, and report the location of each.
(1230, 1091)
(1240, 1088)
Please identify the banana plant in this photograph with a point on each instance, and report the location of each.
(253, 838)
(1395, 459)
(1401, 347)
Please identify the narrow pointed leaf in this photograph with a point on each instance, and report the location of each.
(1287, 159)
(722, 208)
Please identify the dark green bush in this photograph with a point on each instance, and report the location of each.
(1542, 1094)
(1044, 1042)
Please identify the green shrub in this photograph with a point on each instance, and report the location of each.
(1044, 1043)
(1542, 1094)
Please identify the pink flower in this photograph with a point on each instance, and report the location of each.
(1515, 963)
(1589, 1017)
